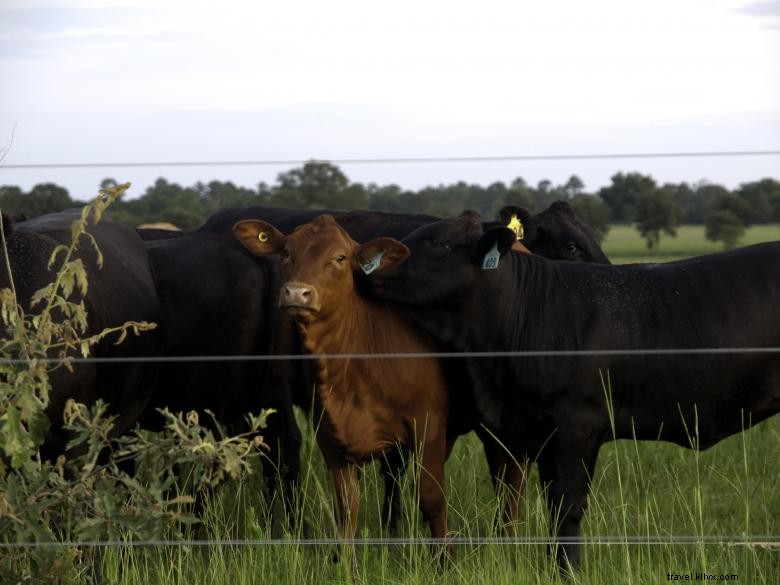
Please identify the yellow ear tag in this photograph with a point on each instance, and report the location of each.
(262, 236)
(516, 226)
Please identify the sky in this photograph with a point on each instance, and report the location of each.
(122, 81)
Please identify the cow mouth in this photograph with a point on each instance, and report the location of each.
(301, 313)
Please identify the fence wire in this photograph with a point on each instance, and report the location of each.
(404, 355)
(732, 540)
(398, 160)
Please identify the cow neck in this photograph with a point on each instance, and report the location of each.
(359, 326)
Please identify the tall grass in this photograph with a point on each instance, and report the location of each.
(643, 496)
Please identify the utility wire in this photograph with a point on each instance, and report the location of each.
(380, 356)
(397, 160)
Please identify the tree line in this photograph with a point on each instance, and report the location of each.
(635, 198)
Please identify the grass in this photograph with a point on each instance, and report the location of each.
(624, 245)
(639, 490)
(649, 490)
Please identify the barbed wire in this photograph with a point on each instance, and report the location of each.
(729, 540)
(405, 355)
(399, 160)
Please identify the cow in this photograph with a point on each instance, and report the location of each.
(366, 407)
(560, 409)
(121, 290)
(556, 233)
(204, 296)
(218, 302)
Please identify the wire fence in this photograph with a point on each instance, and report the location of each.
(407, 355)
(399, 160)
(731, 540)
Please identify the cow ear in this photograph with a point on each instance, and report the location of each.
(259, 237)
(521, 221)
(493, 244)
(380, 254)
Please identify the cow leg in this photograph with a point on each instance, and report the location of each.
(565, 471)
(509, 477)
(433, 502)
(283, 457)
(347, 485)
(393, 464)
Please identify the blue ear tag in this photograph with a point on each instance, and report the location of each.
(372, 264)
(491, 258)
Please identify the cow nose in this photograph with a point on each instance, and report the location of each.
(298, 295)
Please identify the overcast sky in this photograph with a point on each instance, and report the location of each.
(91, 81)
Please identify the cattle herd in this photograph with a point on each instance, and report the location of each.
(561, 351)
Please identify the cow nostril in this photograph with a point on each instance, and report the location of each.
(305, 293)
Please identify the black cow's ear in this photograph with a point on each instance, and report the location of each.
(259, 237)
(379, 255)
(521, 221)
(497, 240)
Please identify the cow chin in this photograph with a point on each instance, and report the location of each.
(301, 314)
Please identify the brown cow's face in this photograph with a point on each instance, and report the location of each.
(318, 259)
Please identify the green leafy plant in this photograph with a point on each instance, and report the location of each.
(142, 485)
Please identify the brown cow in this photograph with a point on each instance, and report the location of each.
(367, 407)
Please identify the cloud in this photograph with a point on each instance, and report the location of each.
(769, 8)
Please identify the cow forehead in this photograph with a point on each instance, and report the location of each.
(318, 237)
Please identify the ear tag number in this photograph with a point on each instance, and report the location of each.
(491, 258)
(516, 226)
(372, 264)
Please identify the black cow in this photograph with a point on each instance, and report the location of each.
(122, 290)
(219, 301)
(556, 407)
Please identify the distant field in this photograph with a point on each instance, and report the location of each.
(624, 244)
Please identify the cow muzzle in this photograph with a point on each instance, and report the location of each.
(300, 300)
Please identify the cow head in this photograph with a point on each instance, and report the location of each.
(557, 233)
(318, 260)
(446, 262)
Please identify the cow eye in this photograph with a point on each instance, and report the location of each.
(340, 258)
(572, 248)
(438, 242)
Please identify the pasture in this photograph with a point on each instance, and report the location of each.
(624, 245)
(656, 511)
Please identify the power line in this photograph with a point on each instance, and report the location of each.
(397, 160)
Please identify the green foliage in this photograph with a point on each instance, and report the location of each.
(87, 494)
(723, 225)
(622, 196)
(656, 212)
(593, 212)
(43, 198)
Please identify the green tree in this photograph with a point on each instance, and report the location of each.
(623, 195)
(42, 199)
(573, 187)
(724, 226)
(318, 184)
(519, 194)
(762, 199)
(727, 220)
(593, 212)
(656, 213)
